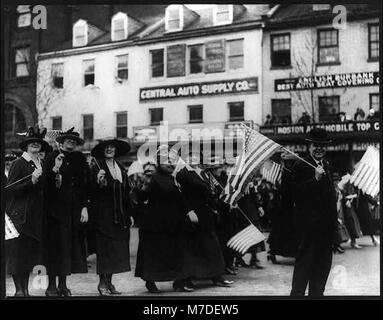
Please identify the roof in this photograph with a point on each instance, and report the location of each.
(298, 15)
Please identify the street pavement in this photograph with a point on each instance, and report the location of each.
(356, 272)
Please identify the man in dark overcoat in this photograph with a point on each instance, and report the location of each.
(315, 217)
(66, 176)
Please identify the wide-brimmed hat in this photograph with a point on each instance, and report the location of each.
(122, 147)
(70, 134)
(319, 136)
(34, 135)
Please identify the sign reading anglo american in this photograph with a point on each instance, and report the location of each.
(200, 89)
(357, 79)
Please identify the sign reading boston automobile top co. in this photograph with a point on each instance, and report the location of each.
(357, 79)
(200, 89)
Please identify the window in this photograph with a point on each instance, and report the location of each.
(328, 108)
(280, 50)
(281, 111)
(22, 62)
(328, 46)
(58, 75)
(88, 126)
(119, 26)
(122, 124)
(80, 33)
(235, 55)
(56, 123)
(373, 41)
(14, 120)
(88, 72)
(122, 68)
(374, 101)
(223, 14)
(195, 114)
(196, 58)
(24, 19)
(174, 18)
(157, 63)
(236, 110)
(156, 116)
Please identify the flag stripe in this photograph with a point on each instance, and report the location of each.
(246, 238)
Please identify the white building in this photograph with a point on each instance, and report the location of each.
(199, 68)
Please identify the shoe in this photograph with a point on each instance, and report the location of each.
(339, 249)
(355, 246)
(19, 294)
(230, 272)
(103, 290)
(241, 263)
(26, 293)
(64, 292)
(256, 265)
(190, 284)
(52, 292)
(272, 258)
(181, 287)
(221, 282)
(112, 290)
(151, 286)
(375, 242)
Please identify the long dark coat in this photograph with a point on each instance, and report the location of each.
(282, 237)
(159, 255)
(316, 223)
(202, 252)
(65, 251)
(24, 206)
(110, 209)
(350, 217)
(364, 213)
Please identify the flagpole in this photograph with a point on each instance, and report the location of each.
(17, 181)
(294, 154)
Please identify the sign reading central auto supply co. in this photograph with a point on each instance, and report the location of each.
(357, 79)
(200, 89)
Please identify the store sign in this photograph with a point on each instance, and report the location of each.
(176, 60)
(334, 127)
(362, 146)
(215, 56)
(357, 79)
(200, 89)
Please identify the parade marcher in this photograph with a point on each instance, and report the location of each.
(365, 216)
(111, 209)
(316, 217)
(67, 198)
(202, 254)
(341, 233)
(159, 255)
(282, 238)
(24, 206)
(248, 205)
(9, 158)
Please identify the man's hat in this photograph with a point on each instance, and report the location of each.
(70, 134)
(318, 135)
(122, 147)
(34, 135)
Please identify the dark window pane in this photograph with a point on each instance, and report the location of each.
(88, 127)
(122, 118)
(195, 114)
(122, 74)
(122, 132)
(57, 123)
(58, 82)
(281, 111)
(196, 59)
(236, 111)
(88, 79)
(156, 116)
(157, 63)
(280, 50)
(328, 108)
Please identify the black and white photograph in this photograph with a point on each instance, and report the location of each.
(168, 151)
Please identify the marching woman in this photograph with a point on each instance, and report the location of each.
(202, 252)
(24, 206)
(159, 255)
(111, 209)
(66, 189)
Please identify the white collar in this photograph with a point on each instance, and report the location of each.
(28, 158)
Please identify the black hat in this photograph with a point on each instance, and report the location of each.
(318, 135)
(70, 134)
(34, 135)
(122, 147)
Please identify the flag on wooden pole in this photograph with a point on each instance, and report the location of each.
(271, 171)
(246, 238)
(366, 174)
(10, 229)
(256, 149)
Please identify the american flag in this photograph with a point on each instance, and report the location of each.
(366, 174)
(256, 149)
(10, 230)
(272, 172)
(246, 238)
(52, 134)
(213, 182)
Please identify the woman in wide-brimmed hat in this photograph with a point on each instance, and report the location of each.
(24, 206)
(66, 200)
(112, 211)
